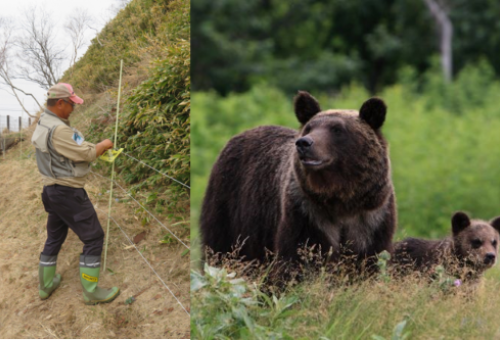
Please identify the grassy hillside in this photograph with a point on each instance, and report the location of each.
(152, 38)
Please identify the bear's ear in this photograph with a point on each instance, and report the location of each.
(459, 222)
(306, 106)
(495, 223)
(373, 112)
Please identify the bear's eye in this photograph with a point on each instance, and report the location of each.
(494, 243)
(307, 129)
(336, 129)
(476, 243)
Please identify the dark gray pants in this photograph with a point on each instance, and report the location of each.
(71, 207)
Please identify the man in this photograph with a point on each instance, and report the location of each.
(63, 158)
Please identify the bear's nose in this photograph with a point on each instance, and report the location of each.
(303, 144)
(489, 258)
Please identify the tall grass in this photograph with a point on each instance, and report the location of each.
(226, 306)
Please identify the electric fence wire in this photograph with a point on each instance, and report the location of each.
(156, 170)
(115, 182)
(147, 262)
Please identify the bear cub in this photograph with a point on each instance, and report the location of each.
(327, 186)
(472, 249)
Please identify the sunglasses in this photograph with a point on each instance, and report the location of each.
(70, 103)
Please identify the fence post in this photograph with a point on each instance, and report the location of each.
(8, 123)
(20, 138)
(113, 165)
(3, 138)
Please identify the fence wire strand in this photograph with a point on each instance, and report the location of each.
(147, 262)
(157, 220)
(158, 171)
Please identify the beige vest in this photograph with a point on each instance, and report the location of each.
(50, 162)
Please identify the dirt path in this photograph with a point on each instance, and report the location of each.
(154, 314)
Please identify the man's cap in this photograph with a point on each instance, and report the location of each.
(63, 90)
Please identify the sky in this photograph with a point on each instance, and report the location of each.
(102, 11)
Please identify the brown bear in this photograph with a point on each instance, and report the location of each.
(466, 254)
(327, 185)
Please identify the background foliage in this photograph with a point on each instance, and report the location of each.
(442, 141)
(323, 45)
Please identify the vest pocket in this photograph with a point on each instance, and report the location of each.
(80, 169)
(39, 138)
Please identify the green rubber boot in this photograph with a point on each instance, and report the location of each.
(49, 281)
(90, 266)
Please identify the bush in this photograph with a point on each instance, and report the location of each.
(156, 126)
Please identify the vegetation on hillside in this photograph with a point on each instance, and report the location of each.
(153, 39)
(142, 30)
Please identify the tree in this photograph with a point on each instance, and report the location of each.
(6, 45)
(40, 53)
(440, 10)
(77, 25)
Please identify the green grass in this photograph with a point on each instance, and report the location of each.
(228, 307)
(143, 30)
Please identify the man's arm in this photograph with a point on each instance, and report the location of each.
(63, 142)
(101, 147)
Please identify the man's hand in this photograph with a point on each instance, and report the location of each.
(103, 146)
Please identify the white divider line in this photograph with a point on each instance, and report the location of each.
(115, 182)
(157, 170)
(154, 271)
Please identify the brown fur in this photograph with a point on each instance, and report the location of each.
(472, 249)
(271, 190)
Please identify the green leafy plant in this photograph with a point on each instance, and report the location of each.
(229, 307)
(167, 239)
(382, 262)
